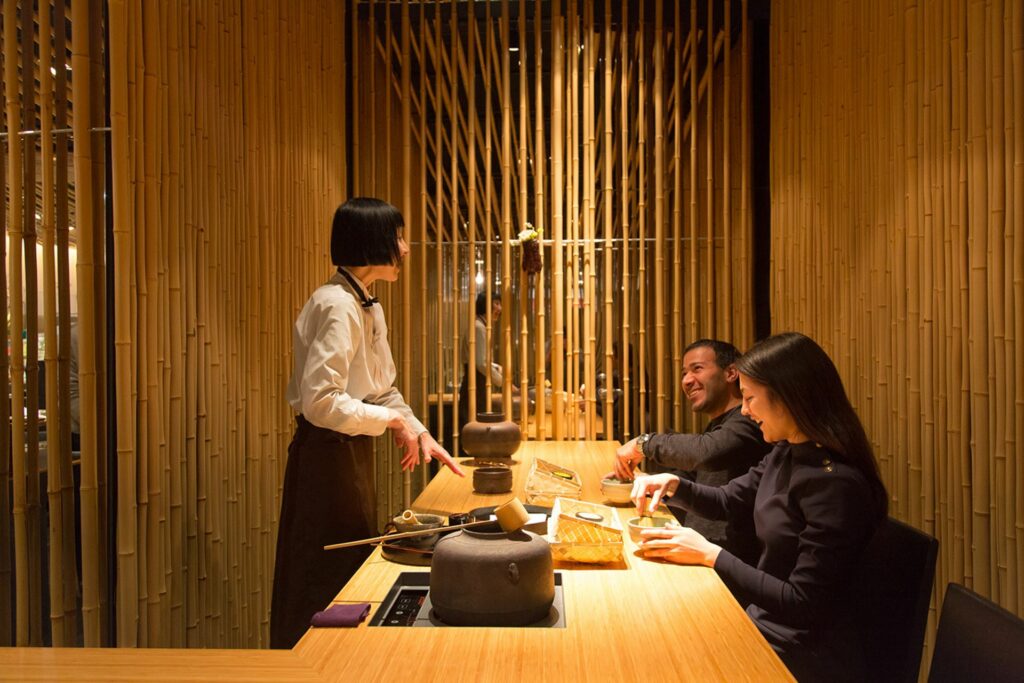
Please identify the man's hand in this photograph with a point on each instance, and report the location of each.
(627, 457)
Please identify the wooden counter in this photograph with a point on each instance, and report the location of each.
(645, 620)
(640, 621)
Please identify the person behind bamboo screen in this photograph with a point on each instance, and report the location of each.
(480, 364)
(816, 500)
(729, 445)
(342, 386)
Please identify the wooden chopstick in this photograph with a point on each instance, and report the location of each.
(408, 534)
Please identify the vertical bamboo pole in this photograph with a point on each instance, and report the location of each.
(978, 314)
(744, 334)
(149, 336)
(677, 222)
(371, 58)
(572, 210)
(609, 285)
(70, 578)
(6, 483)
(489, 213)
(424, 201)
(31, 330)
(589, 233)
(524, 279)
(356, 172)
(727, 303)
(6, 377)
(539, 156)
(456, 230)
(709, 254)
(1017, 183)
(558, 51)
(471, 180)
(177, 551)
(642, 152)
(438, 231)
(406, 84)
(55, 435)
(17, 323)
(87, 309)
(386, 189)
(658, 96)
(626, 353)
(694, 289)
(506, 211)
(98, 170)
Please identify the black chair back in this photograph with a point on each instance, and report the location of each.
(977, 641)
(891, 593)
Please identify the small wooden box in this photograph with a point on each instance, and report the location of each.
(547, 481)
(584, 532)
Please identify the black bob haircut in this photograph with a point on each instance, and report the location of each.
(725, 353)
(481, 302)
(800, 374)
(365, 232)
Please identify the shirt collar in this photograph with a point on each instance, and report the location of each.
(358, 288)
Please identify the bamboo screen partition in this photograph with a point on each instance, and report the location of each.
(619, 130)
(898, 242)
(43, 224)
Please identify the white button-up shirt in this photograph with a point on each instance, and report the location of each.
(343, 377)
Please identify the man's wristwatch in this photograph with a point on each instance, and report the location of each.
(641, 443)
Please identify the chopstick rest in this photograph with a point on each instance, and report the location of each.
(349, 614)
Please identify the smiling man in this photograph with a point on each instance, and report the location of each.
(729, 446)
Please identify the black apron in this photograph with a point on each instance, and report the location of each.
(329, 497)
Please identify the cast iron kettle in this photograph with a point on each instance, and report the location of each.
(492, 579)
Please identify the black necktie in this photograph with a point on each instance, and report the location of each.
(367, 302)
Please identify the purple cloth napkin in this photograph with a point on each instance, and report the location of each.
(350, 614)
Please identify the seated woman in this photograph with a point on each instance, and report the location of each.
(816, 500)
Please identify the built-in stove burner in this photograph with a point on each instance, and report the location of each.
(408, 604)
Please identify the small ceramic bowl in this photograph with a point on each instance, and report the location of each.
(638, 524)
(492, 479)
(426, 521)
(616, 490)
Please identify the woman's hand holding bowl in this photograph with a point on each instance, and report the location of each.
(681, 545)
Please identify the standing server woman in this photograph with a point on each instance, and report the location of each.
(342, 386)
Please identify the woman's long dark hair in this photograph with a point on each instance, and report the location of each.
(800, 374)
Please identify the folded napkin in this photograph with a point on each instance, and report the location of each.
(350, 614)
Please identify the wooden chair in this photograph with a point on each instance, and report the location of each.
(890, 596)
(977, 641)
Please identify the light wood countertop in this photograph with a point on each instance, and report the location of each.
(641, 620)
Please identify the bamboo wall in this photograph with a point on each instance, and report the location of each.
(226, 137)
(898, 242)
(228, 126)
